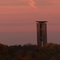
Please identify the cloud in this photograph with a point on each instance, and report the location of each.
(44, 3)
(17, 24)
(32, 3)
(13, 2)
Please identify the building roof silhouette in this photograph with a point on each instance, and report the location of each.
(41, 21)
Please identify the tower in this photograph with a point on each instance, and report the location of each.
(41, 33)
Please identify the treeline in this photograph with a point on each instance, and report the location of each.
(30, 52)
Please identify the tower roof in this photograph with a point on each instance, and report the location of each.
(41, 21)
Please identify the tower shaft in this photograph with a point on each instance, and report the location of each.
(41, 33)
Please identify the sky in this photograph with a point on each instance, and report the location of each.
(18, 20)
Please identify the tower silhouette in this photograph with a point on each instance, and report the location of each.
(41, 33)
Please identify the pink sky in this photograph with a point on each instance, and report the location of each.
(17, 20)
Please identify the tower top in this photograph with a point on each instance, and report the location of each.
(41, 21)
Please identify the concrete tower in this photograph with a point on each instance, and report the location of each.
(41, 33)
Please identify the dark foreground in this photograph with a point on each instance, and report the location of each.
(30, 52)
